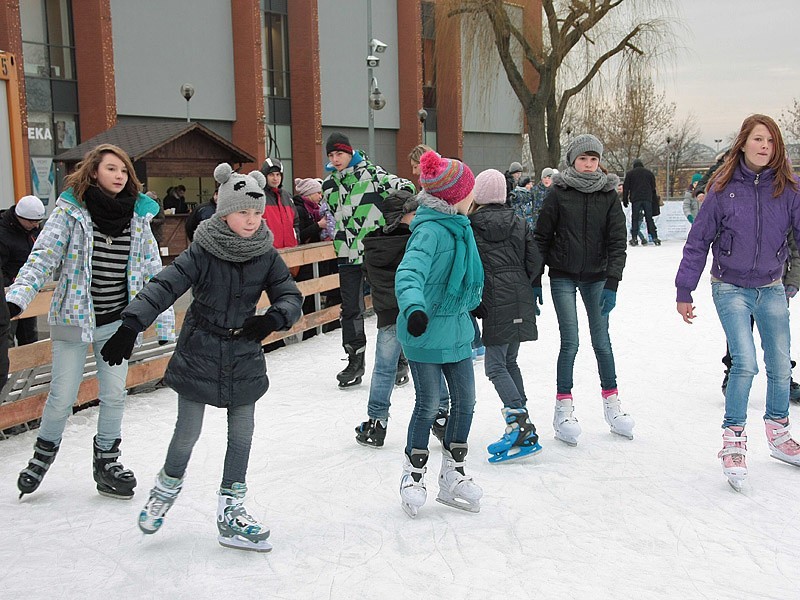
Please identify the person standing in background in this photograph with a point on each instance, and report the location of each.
(639, 188)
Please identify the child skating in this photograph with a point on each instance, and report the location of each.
(218, 358)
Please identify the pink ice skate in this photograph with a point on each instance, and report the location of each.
(734, 448)
(781, 444)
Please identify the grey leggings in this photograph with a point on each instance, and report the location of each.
(241, 422)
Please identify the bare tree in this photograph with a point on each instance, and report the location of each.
(579, 40)
(681, 149)
(790, 121)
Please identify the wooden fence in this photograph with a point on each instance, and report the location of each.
(22, 399)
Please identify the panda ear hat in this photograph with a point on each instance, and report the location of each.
(238, 192)
(257, 175)
(222, 173)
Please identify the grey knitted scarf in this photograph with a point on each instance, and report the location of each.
(586, 182)
(215, 236)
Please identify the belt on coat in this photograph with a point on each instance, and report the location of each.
(223, 332)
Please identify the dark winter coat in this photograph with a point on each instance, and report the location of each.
(511, 261)
(746, 228)
(582, 236)
(199, 214)
(281, 217)
(209, 364)
(4, 323)
(15, 244)
(639, 185)
(382, 254)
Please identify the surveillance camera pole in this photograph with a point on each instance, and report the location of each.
(371, 113)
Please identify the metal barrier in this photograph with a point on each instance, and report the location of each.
(22, 399)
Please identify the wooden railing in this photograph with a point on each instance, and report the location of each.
(22, 399)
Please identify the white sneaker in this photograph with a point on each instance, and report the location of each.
(412, 483)
(457, 489)
(620, 423)
(566, 426)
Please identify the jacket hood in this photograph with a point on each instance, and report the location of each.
(385, 250)
(493, 222)
(358, 156)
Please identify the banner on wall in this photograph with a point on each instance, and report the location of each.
(671, 223)
(43, 177)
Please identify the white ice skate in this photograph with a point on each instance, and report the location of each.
(237, 528)
(412, 484)
(457, 489)
(620, 423)
(162, 497)
(734, 448)
(566, 426)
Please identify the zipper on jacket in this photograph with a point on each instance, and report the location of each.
(585, 227)
(758, 223)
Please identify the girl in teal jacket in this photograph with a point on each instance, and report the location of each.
(438, 282)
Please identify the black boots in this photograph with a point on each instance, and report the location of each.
(113, 480)
(44, 453)
(352, 373)
(371, 433)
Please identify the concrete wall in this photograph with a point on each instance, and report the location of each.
(491, 150)
(160, 45)
(385, 144)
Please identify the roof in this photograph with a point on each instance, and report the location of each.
(140, 140)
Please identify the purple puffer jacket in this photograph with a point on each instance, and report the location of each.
(746, 228)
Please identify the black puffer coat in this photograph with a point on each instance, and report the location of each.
(511, 262)
(382, 254)
(209, 365)
(15, 244)
(582, 236)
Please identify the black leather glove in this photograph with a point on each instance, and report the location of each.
(13, 309)
(119, 346)
(417, 323)
(257, 327)
(480, 311)
(163, 342)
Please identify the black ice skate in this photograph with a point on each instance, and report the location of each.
(401, 378)
(371, 433)
(44, 453)
(352, 373)
(113, 480)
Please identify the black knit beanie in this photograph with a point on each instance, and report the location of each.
(338, 141)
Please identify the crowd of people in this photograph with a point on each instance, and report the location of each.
(439, 257)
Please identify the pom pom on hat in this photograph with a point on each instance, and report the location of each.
(583, 144)
(305, 187)
(239, 192)
(490, 187)
(445, 178)
(30, 208)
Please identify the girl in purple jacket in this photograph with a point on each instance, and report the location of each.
(751, 204)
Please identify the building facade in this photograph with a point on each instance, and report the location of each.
(273, 77)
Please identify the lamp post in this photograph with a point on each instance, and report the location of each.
(187, 91)
(422, 115)
(669, 141)
(375, 100)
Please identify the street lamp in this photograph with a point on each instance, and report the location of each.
(669, 141)
(187, 91)
(422, 115)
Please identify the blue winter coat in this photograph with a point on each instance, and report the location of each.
(421, 284)
(747, 230)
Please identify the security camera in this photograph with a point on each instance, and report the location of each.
(373, 61)
(377, 46)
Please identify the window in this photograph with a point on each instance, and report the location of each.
(277, 93)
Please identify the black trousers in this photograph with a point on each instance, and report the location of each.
(638, 208)
(351, 287)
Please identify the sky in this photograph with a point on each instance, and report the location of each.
(738, 57)
(650, 518)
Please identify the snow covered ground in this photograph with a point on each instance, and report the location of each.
(610, 518)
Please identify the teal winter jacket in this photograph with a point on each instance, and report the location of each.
(441, 274)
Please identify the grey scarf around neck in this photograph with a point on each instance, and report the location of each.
(585, 182)
(437, 204)
(215, 236)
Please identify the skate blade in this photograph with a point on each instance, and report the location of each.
(737, 484)
(459, 504)
(410, 510)
(112, 494)
(239, 543)
(343, 385)
(784, 459)
(568, 441)
(368, 445)
(522, 452)
(621, 434)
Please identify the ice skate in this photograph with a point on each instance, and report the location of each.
(237, 528)
(725, 378)
(162, 497)
(371, 433)
(439, 425)
(519, 439)
(734, 448)
(412, 484)
(113, 480)
(780, 441)
(401, 377)
(457, 489)
(566, 426)
(351, 375)
(620, 423)
(794, 391)
(44, 453)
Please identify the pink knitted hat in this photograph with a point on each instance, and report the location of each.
(304, 187)
(490, 187)
(445, 178)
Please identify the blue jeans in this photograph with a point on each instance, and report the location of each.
(241, 422)
(767, 305)
(69, 358)
(564, 292)
(427, 384)
(387, 352)
(502, 370)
